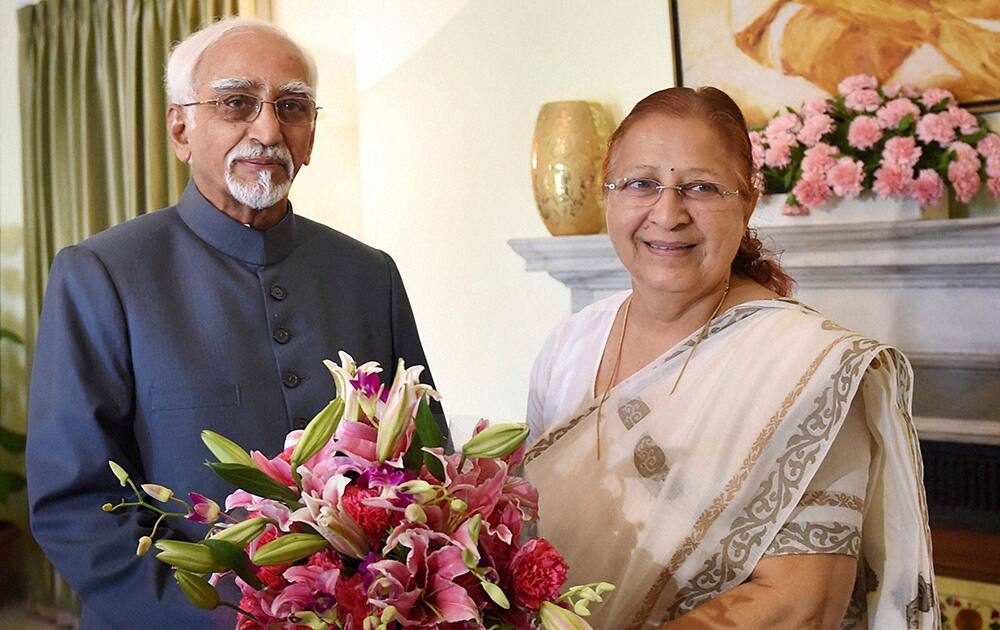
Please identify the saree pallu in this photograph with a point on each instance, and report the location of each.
(692, 487)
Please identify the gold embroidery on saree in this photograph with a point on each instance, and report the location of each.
(718, 505)
(632, 412)
(806, 538)
(748, 531)
(833, 499)
(729, 318)
(650, 460)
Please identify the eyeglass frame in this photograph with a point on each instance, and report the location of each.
(260, 107)
(619, 184)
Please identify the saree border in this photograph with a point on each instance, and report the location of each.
(735, 483)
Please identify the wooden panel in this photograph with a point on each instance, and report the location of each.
(965, 554)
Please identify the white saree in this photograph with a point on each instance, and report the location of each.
(694, 488)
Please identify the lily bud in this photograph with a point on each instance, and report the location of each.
(288, 548)
(145, 542)
(203, 509)
(107, 507)
(242, 533)
(415, 514)
(225, 450)
(419, 489)
(158, 492)
(318, 432)
(198, 591)
(189, 556)
(498, 440)
(555, 617)
(119, 472)
(458, 505)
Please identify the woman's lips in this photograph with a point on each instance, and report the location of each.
(667, 248)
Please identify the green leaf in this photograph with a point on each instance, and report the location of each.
(496, 594)
(225, 450)
(11, 336)
(12, 442)
(430, 436)
(10, 483)
(905, 123)
(254, 481)
(235, 558)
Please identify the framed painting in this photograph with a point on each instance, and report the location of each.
(768, 54)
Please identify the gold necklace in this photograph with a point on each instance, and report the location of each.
(618, 357)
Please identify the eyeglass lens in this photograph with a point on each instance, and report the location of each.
(291, 110)
(648, 191)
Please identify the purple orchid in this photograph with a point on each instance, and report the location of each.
(203, 509)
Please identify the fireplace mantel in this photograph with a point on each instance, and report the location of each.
(931, 288)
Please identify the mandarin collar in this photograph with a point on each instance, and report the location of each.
(231, 237)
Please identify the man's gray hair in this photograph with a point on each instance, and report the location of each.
(186, 54)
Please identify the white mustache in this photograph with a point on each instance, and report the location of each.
(256, 150)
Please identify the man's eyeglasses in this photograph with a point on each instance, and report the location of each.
(643, 192)
(244, 108)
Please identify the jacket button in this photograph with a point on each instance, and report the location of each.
(299, 423)
(290, 379)
(278, 292)
(281, 335)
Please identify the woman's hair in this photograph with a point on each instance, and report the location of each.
(724, 116)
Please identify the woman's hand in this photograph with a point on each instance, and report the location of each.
(799, 591)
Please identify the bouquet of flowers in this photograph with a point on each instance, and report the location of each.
(363, 522)
(890, 139)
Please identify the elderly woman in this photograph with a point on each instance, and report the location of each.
(726, 456)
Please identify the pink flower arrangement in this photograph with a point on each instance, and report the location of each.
(892, 140)
(363, 521)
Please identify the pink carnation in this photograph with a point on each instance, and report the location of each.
(963, 119)
(864, 132)
(901, 151)
(927, 188)
(857, 82)
(993, 166)
(965, 153)
(895, 110)
(935, 128)
(989, 146)
(779, 154)
(812, 190)
(814, 128)
(863, 100)
(793, 210)
(891, 90)
(784, 124)
(964, 179)
(933, 96)
(891, 180)
(993, 185)
(757, 148)
(846, 177)
(816, 106)
(819, 159)
(910, 91)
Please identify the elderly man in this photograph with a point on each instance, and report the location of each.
(214, 314)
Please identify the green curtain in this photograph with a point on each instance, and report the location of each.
(95, 148)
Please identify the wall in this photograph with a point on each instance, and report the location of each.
(447, 115)
(328, 190)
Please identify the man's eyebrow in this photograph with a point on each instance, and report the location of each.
(298, 88)
(232, 83)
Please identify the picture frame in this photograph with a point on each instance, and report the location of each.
(772, 54)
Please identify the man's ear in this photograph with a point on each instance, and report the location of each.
(178, 128)
(312, 139)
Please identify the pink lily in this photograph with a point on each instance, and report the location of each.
(326, 514)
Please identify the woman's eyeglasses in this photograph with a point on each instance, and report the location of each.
(244, 108)
(643, 191)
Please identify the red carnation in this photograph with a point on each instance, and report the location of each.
(538, 572)
(375, 521)
(352, 601)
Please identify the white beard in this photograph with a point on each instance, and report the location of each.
(260, 194)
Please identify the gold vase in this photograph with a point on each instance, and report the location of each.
(571, 139)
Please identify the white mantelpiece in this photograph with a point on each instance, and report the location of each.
(931, 288)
